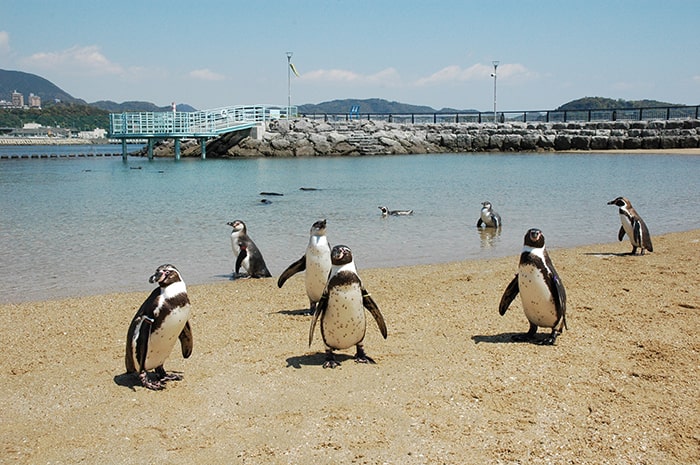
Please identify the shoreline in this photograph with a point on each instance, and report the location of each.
(449, 386)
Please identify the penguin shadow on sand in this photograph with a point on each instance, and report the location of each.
(129, 380)
(315, 359)
(299, 312)
(507, 338)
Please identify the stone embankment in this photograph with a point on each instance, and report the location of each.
(305, 138)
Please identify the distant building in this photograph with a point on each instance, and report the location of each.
(34, 101)
(17, 99)
(94, 134)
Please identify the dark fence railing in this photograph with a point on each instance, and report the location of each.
(545, 116)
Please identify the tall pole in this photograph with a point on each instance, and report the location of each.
(495, 77)
(289, 83)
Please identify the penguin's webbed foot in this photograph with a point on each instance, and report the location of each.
(527, 337)
(549, 340)
(164, 377)
(362, 357)
(330, 362)
(148, 384)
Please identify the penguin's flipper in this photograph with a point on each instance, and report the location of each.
(241, 256)
(496, 220)
(186, 340)
(320, 308)
(142, 341)
(621, 233)
(146, 309)
(373, 308)
(296, 267)
(479, 223)
(560, 299)
(641, 235)
(508, 295)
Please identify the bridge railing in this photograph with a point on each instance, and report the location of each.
(621, 114)
(196, 123)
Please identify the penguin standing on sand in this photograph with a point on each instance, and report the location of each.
(633, 225)
(541, 290)
(246, 252)
(342, 309)
(162, 318)
(488, 218)
(316, 262)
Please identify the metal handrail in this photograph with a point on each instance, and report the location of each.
(619, 114)
(205, 123)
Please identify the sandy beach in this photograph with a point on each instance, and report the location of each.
(621, 386)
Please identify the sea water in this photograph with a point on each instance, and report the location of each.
(81, 226)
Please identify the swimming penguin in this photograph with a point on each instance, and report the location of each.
(341, 309)
(246, 252)
(386, 212)
(541, 290)
(162, 318)
(633, 225)
(316, 262)
(488, 218)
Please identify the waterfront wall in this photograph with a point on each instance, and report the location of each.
(304, 137)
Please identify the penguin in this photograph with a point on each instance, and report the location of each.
(246, 252)
(633, 225)
(541, 290)
(163, 317)
(488, 218)
(386, 212)
(316, 262)
(341, 309)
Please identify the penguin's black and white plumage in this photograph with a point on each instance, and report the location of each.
(246, 253)
(541, 290)
(316, 263)
(387, 212)
(488, 218)
(341, 309)
(633, 225)
(161, 320)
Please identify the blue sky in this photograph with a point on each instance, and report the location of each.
(437, 53)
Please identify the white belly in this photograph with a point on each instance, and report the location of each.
(318, 265)
(627, 225)
(344, 323)
(164, 338)
(536, 298)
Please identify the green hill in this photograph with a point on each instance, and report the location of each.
(27, 83)
(373, 105)
(602, 103)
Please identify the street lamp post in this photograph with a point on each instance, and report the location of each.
(289, 83)
(495, 77)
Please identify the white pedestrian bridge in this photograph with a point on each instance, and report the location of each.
(201, 125)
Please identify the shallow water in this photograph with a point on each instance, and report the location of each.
(93, 225)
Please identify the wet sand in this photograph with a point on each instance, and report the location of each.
(621, 386)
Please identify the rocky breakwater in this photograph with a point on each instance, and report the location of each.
(304, 138)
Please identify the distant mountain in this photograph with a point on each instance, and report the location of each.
(602, 103)
(114, 107)
(27, 83)
(373, 105)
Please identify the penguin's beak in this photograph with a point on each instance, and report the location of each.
(157, 277)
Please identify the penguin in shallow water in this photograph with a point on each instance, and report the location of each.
(387, 212)
(247, 254)
(541, 290)
(162, 318)
(316, 263)
(341, 309)
(633, 225)
(488, 218)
